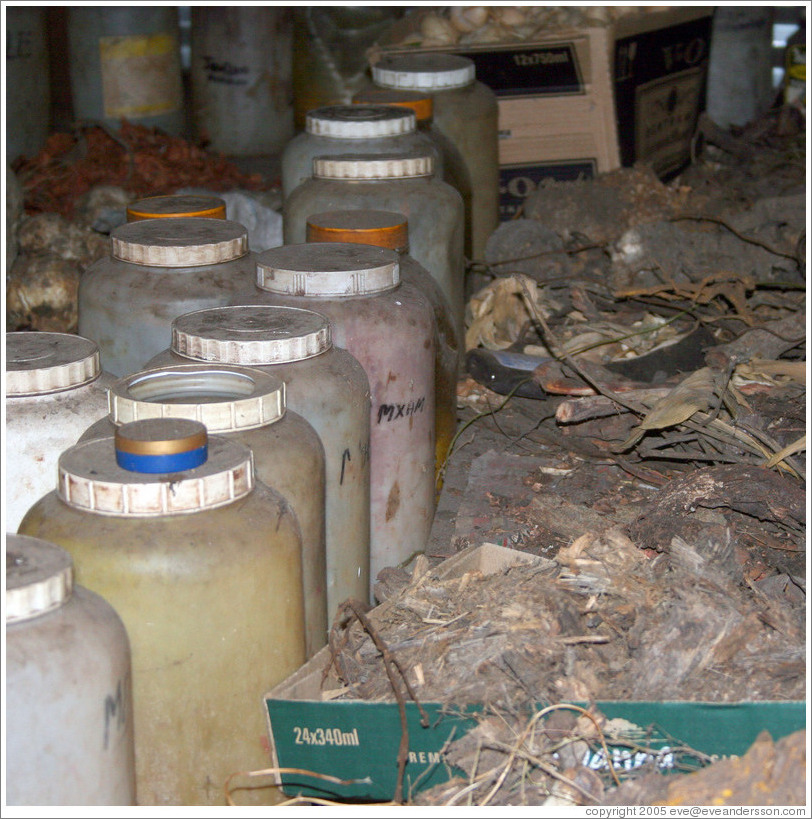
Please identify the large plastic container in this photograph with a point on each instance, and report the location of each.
(159, 269)
(466, 111)
(327, 387)
(242, 85)
(454, 169)
(55, 389)
(125, 63)
(388, 325)
(68, 703)
(393, 182)
(28, 92)
(203, 566)
(391, 230)
(176, 205)
(352, 129)
(249, 406)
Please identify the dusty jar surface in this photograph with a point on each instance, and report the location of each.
(250, 407)
(55, 389)
(159, 269)
(466, 111)
(69, 707)
(389, 327)
(352, 129)
(204, 569)
(391, 182)
(324, 384)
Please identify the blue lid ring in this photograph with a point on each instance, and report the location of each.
(161, 445)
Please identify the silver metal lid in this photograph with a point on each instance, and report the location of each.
(360, 121)
(251, 335)
(39, 577)
(223, 397)
(369, 166)
(91, 480)
(179, 242)
(38, 363)
(328, 269)
(424, 72)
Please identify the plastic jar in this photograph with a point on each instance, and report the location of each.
(241, 75)
(204, 567)
(55, 389)
(466, 111)
(388, 325)
(250, 407)
(177, 205)
(351, 129)
(327, 387)
(387, 229)
(68, 704)
(393, 182)
(125, 63)
(158, 270)
(28, 92)
(454, 170)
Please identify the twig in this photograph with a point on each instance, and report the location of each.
(300, 771)
(748, 239)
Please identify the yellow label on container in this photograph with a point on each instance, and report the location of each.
(140, 75)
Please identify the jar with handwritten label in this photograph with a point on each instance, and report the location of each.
(55, 389)
(327, 387)
(388, 325)
(68, 704)
(159, 269)
(251, 407)
(387, 229)
(203, 564)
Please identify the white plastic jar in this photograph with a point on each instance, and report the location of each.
(55, 389)
(388, 325)
(68, 703)
(391, 230)
(159, 269)
(203, 565)
(351, 129)
(251, 407)
(393, 182)
(326, 386)
(466, 111)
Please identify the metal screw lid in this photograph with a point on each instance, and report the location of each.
(91, 480)
(223, 397)
(382, 228)
(425, 72)
(161, 445)
(325, 269)
(360, 121)
(368, 166)
(256, 335)
(38, 363)
(179, 241)
(39, 577)
(179, 205)
(420, 102)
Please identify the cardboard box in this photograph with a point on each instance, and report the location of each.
(579, 102)
(358, 741)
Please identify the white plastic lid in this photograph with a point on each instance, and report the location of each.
(251, 335)
(369, 166)
(39, 577)
(38, 363)
(179, 241)
(327, 269)
(360, 121)
(91, 480)
(222, 397)
(424, 72)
